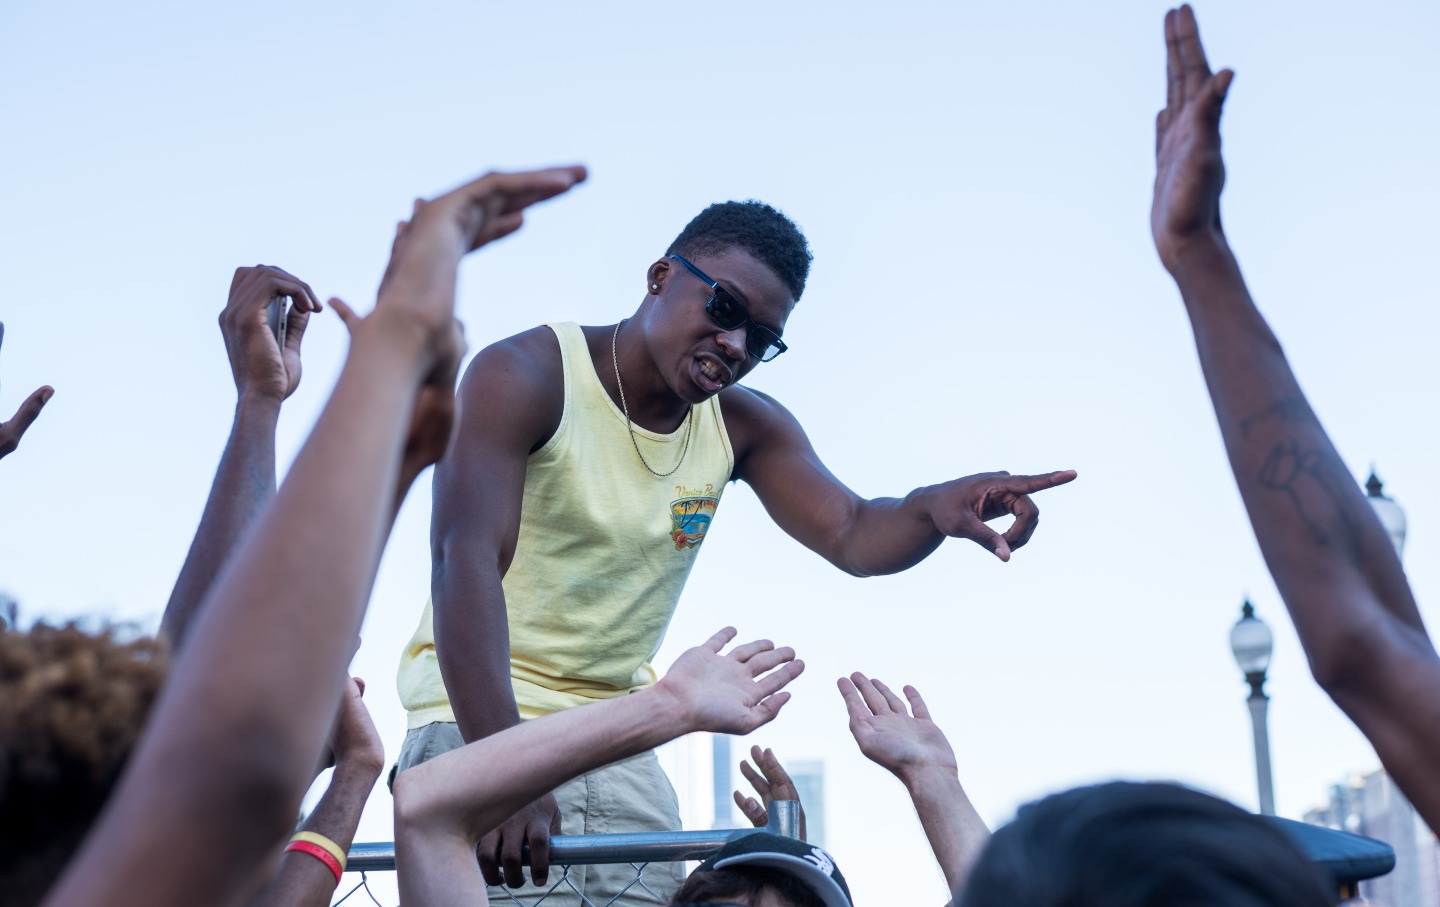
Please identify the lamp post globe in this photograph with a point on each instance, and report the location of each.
(1391, 515)
(1251, 642)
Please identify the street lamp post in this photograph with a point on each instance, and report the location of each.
(1389, 512)
(1252, 643)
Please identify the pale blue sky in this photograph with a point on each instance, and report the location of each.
(974, 180)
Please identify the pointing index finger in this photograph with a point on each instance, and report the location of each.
(1032, 484)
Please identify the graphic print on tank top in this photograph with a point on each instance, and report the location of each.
(691, 513)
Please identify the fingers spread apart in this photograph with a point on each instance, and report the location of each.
(865, 697)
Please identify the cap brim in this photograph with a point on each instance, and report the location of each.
(820, 883)
(1347, 857)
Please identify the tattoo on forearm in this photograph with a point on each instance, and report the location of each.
(1290, 409)
(1315, 481)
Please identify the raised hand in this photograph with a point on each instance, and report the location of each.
(258, 363)
(961, 508)
(903, 741)
(733, 693)
(1190, 171)
(420, 279)
(912, 748)
(13, 430)
(354, 738)
(771, 782)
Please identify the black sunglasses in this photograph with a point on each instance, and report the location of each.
(728, 314)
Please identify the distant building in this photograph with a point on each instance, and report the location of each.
(1372, 805)
(721, 782)
(809, 778)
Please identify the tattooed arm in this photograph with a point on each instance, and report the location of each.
(1332, 561)
(245, 482)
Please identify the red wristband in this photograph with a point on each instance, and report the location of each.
(319, 853)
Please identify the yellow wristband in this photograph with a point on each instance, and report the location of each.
(320, 840)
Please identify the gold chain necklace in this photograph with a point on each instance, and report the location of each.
(689, 416)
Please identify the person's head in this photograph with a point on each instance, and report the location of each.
(1125, 844)
(703, 339)
(766, 870)
(72, 706)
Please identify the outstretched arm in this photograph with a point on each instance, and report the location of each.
(233, 741)
(445, 806)
(1332, 561)
(265, 375)
(880, 535)
(914, 749)
(13, 430)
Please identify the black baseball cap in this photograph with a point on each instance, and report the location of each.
(1348, 858)
(804, 861)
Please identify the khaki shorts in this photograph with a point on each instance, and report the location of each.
(632, 795)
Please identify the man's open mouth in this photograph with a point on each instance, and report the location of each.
(710, 375)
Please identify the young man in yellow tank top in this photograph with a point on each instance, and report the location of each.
(587, 465)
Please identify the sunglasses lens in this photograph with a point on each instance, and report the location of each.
(728, 314)
(725, 311)
(763, 344)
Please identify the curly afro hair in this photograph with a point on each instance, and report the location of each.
(72, 706)
(755, 227)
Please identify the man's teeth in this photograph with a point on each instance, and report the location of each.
(709, 370)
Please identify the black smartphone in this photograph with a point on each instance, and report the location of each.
(279, 315)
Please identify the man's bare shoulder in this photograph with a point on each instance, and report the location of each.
(528, 361)
(747, 404)
(753, 416)
(519, 381)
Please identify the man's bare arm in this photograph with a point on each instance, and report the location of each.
(244, 483)
(876, 536)
(1331, 559)
(510, 403)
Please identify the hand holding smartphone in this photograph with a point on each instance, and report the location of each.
(279, 311)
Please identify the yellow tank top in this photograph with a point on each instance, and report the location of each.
(604, 549)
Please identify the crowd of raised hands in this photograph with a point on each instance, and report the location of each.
(251, 698)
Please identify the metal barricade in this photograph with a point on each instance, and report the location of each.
(638, 850)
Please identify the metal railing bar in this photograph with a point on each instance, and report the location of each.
(578, 850)
(646, 847)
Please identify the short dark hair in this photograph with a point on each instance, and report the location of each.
(1126, 844)
(748, 882)
(754, 227)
